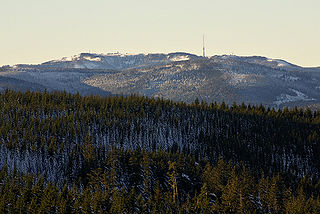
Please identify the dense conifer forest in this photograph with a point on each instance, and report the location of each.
(64, 153)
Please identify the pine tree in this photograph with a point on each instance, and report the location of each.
(172, 174)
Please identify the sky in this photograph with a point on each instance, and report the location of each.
(35, 31)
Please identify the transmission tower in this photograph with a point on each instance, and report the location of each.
(203, 49)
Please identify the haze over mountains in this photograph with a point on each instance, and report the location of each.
(177, 76)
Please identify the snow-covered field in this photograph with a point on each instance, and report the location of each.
(285, 98)
(180, 58)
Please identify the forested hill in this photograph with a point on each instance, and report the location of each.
(136, 154)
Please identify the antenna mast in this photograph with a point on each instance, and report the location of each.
(203, 50)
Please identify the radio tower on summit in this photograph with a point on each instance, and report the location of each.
(203, 49)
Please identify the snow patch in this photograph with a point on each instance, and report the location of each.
(89, 58)
(285, 98)
(280, 63)
(121, 54)
(180, 58)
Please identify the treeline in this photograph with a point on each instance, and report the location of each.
(158, 182)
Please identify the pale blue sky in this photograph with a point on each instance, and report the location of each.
(33, 31)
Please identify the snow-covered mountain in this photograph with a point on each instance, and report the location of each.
(177, 76)
(125, 61)
(117, 60)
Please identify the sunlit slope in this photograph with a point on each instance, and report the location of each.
(176, 76)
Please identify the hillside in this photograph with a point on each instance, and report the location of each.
(141, 155)
(178, 76)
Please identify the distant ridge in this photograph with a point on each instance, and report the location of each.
(125, 61)
(178, 76)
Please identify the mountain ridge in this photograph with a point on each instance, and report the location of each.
(178, 76)
(155, 57)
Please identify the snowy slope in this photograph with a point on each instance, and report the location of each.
(220, 78)
(116, 60)
(177, 76)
